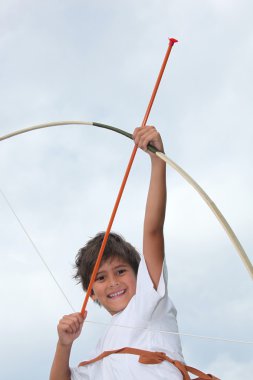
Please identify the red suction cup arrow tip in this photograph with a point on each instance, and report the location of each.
(172, 41)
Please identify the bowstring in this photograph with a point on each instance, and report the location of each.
(204, 337)
(21, 224)
(43, 261)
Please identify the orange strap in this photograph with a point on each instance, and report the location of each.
(150, 357)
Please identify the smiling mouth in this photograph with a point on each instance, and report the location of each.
(116, 294)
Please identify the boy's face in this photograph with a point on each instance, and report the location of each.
(115, 285)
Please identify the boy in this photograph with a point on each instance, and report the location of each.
(137, 300)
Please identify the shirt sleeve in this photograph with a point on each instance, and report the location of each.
(79, 373)
(147, 297)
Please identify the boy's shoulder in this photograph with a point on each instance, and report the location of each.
(144, 279)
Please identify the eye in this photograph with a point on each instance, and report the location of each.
(121, 271)
(100, 278)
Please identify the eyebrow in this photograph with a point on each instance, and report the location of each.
(120, 266)
(116, 267)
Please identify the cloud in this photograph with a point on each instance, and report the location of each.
(230, 368)
(99, 61)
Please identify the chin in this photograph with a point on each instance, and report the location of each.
(115, 311)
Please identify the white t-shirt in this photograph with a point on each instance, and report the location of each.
(140, 325)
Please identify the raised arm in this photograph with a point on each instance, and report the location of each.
(153, 240)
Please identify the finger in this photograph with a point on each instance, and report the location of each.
(74, 322)
(141, 129)
(69, 324)
(65, 328)
(77, 317)
(149, 136)
(137, 133)
(140, 133)
(72, 328)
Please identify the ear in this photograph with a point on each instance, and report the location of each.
(93, 296)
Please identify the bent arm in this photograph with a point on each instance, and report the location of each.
(69, 328)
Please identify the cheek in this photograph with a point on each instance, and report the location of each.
(98, 290)
(94, 292)
(133, 283)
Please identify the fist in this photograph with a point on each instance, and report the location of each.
(147, 135)
(69, 328)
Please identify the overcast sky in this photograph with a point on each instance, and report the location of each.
(98, 61)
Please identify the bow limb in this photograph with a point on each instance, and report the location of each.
(232, 236)
(62, 123)
(45, 125)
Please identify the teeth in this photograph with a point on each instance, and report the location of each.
(116, 294)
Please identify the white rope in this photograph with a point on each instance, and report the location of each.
(205, 337)
(36, 249)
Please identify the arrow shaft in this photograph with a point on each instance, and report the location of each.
(100, 254)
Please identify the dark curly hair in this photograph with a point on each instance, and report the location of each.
(116, 246)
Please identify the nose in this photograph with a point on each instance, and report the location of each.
(113, 281)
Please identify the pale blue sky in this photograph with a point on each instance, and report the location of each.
(98, 61)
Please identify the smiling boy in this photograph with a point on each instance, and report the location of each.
(135, 295)
(142, 340)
